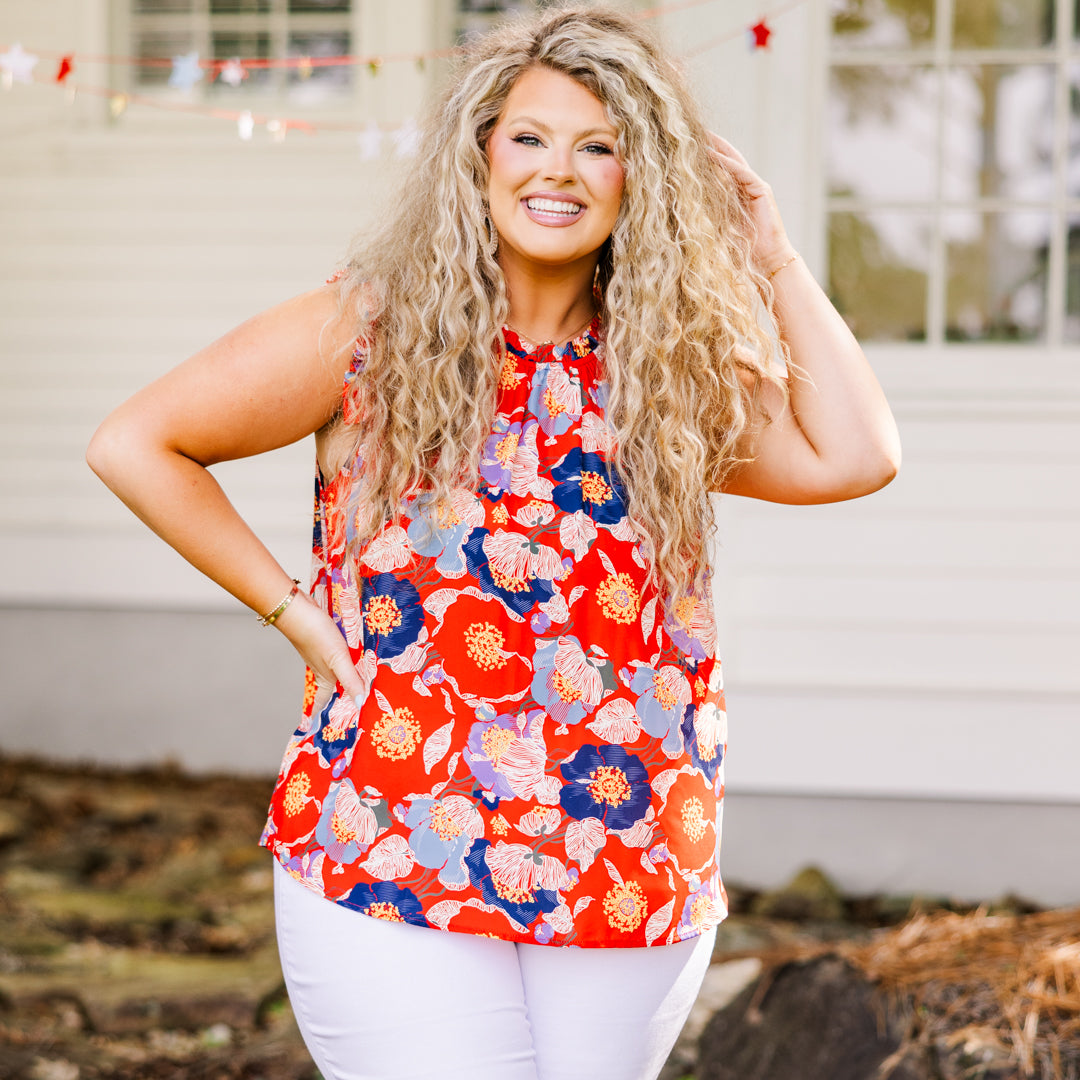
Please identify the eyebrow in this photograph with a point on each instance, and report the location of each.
(543, 127)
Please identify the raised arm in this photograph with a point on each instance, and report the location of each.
(834, 437)
(263, 385)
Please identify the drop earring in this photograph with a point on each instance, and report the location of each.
(493, 238)
(597, 295)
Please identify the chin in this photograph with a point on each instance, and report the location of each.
(551, 254)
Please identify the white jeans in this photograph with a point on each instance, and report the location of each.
(376, 1000)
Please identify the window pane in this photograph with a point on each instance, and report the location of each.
(323, 81)
(227, 44)
(300, 6)
(231, 7)
(878, 265)
(999, 132)
(160, 44)
(995, 24)
(492, 5)
(1072, 282)
(882, 125)
(156, 7)
(996, 267)
(884, 24)
(1072, 164)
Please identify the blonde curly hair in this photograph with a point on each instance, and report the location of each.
(687, 346)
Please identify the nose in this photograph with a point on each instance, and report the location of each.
(559, 166)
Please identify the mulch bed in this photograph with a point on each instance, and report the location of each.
(984, 991)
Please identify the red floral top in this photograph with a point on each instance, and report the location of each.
(538, 756)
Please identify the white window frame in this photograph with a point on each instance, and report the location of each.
(1062, 54)
(279, 23)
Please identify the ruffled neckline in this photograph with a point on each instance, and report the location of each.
(586, 341)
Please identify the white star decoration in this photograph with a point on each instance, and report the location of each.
(407, 139)
(17, 65)
(370, 140)
(232, 72)
(185, 71)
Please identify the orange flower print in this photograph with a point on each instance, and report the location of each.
(472, 639)
(625, 906)
(311, 688)
(298, 807)
(688, 817)
(618, 598)
(296, 793)
(396, 735)
(508, 375)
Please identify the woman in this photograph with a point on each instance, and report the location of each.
(514, 727)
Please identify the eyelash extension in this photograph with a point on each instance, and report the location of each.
(591, 146)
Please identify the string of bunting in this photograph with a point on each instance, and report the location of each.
(188, 69)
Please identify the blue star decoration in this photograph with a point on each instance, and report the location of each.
(185, 71)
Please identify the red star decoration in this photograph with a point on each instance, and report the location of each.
(761, 34)
(65, 69)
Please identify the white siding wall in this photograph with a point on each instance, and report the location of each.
(129, 246)
(919, 644)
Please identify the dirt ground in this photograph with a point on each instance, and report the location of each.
(136, 929)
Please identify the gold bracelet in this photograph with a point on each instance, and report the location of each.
(772, 273)
(273, 616)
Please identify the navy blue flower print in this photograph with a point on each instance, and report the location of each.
(393, 614)
(520, 595)
(521, 904)
(336, 727)
(385, 900)
(606, 782)
(584, 484)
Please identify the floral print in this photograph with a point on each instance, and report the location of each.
(539, 755)
(606, 782)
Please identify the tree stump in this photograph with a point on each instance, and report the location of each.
(816, 1020)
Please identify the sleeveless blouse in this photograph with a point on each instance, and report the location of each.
(538, 755)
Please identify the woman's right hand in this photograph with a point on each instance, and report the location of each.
(316, 637)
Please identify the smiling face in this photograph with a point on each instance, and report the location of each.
(555, 184)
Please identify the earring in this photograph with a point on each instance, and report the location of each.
(493, 238)
(597, 295)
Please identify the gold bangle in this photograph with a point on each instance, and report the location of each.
(788, 262)
(273, 616)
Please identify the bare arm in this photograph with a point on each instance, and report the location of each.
(834, 437)
(263, 385)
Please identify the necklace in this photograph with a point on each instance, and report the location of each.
(539, 344)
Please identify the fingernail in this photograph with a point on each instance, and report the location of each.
(359, 701)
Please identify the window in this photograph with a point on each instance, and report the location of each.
(953, 169)
(475, 17)
(250, 29)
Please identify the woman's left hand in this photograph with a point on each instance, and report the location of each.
(772, 246)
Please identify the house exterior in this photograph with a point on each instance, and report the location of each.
(902, 673)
